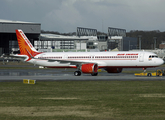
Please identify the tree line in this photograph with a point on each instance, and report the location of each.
(147, 38)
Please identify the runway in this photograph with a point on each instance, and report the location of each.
(67, 74)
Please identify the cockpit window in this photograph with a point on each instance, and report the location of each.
(156, 56)
(153, 56)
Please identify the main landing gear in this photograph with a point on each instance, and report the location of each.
(94, 74)
(77, 73)
(88, 71)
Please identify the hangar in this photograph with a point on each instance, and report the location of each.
(8, 40)
(86, 38)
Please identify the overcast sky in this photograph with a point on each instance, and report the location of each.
(67, 15)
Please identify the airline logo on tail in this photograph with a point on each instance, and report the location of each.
(25, 38)
(26, 48)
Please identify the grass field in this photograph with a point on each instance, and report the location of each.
(89, 100)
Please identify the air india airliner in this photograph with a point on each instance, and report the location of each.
(86, 62)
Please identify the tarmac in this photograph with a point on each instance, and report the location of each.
(13, 73)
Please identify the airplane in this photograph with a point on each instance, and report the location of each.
(86, 62)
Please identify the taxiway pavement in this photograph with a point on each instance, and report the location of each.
(67, 74)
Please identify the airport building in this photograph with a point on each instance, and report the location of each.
(86, 38)
(115, 39)
(122, 43)
(8, 40)
(56, 42)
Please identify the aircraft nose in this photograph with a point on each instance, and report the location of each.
(161, 61)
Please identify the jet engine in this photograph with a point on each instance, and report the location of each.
(89, 68)
(114, 70)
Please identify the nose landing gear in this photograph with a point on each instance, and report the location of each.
(144, 70)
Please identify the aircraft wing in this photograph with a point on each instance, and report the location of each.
(17, 56)
(72, 62)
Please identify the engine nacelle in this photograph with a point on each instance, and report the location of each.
(114, 70)
(89, 68)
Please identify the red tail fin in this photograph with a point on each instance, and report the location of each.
(26, 48)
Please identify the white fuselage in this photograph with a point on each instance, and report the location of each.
(117, 59)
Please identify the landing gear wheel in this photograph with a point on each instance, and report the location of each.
(77, 73)
(94, 74)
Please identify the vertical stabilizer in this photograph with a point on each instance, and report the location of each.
(26, 48)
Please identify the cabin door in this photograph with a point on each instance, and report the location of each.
(65, 56)
(141, 57)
